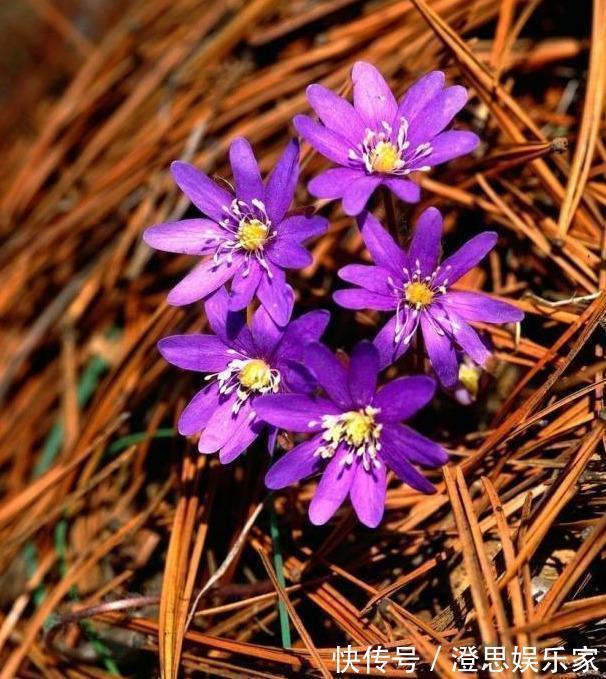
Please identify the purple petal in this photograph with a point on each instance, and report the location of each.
(389, 350)
(465, 258)
(327, 369)
(400, 399)
(276, 295)
(296, 377)
(245, 432)
(288, 254)
(207, 196)
(404, 189)
(449, 145)
(203, 353)
(463, 333)
(282, 182)
(243, 287)
(358, 192)
(474, 306)
(295, 465)
(395, 458)
(202, 280)
(362, 374)
(303, 330)
(425, 245)
(266, 334)
(229, 326)
(332, 489)
(224, 425)
(437, 114)
(418, 96)
(368, 494)
(299, 228)
(371, 278)
(294, 412)
(333, 183)
(326, 142)
(357, 298)
(382, 247)
(336, 113)
(245, 170)
(188, 236)
(441, 351)
(199, 410)
(373, 99)
(404, 441)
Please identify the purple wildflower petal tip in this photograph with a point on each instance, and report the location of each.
(246, 173)
(402, 398)
(188, 236)
(414, 447)
(299, 228)
(201, 353)
(474, 306)
(336, 113)
(441, 351)
(282, 182)
(452, 144)
(332, 490)
(420, 94)
(373, 99)
(465, 258)
(207, 196)
(382, 247)
(277, 296)
(325, 141)
(438, 113)
(198, 411)
(368, 494)
(424, 249)
(244, 435)
(202, 281)
(295, 465)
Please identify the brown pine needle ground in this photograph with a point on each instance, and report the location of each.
(124, 552)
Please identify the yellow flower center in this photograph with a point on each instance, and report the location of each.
(384, 157)
(255, 375)
(358, 430)
(419, 295)
(469, 376)
(252, 234)
(357, 427)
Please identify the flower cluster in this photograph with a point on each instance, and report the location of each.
(273, 373)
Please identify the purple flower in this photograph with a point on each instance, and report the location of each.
(418, 288)
(357, 434)
(241, 363)
(249, 235)
(378, 141)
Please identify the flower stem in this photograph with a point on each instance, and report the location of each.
(279, 567)
(274, 531)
